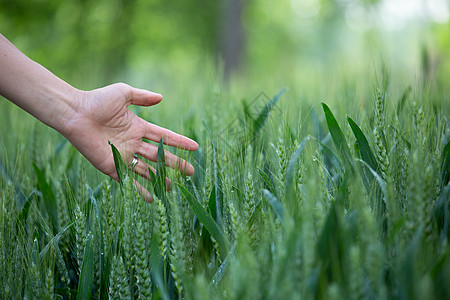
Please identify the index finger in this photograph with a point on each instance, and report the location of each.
(170, 138)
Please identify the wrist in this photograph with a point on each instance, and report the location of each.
(69, 103)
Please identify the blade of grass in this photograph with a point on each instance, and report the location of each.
(156, 269)
(54, 241)
(276, 205)
(161, 172)
(332, 245)
(121, 168)
(267, 181)
(329, 153)
(217, 182)
(381, 200)
(212, 203)
(23, 215)
(48, 196)
(264, 114)
(338, 136)
(98, 217)
(445, 165)
(380, 180)
(223, 267)
(207, 221)
(363, 145)
(87, 271)
(288, 186)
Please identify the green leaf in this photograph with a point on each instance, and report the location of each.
(212, 203)
(160, 183)
(223, 267)
(267, 181)
(23, 215)
(98, 217)
(363, 145)
(156, 269)
(264, 114)
(207, 221)
(288, 186)
(276, 205)
(329, 153)
(121, 168)
(87, 271)
(338, 136)
(381, 201)
(54, 241)
(332, 244)
(48, 196)
(380, 180)
(153, 179)
(445, 165)
(217, 183)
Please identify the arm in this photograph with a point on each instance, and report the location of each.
(34, 88)
(88, 119)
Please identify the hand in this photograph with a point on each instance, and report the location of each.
(102, 115)
(90, 119)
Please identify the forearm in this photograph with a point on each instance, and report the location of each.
(34, 88)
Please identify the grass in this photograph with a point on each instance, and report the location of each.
(289, 200)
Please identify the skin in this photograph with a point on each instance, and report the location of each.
(89, 119)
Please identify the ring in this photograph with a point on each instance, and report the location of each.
(133, 163)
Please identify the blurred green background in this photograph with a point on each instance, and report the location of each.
(181, 46)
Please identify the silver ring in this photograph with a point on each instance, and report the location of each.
(133, 163)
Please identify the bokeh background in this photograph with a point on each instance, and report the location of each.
(193, 50)
(151, 42)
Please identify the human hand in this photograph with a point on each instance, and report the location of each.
(102, 115)
(90, 119)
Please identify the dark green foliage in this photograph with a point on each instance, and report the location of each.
(291, 168)
(87, 271)
(363, 145)
(47, 196)
(207, 221)
(275, 204)
(338, 137)
(259, 122)
(121, 168)
(215, 202)
(445, 166)
(241, 229)
(159, 185)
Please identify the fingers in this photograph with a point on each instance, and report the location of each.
(137, 96)
(153, 132)
(150, 152)
(170, 138)
(143, 191)
(144, 97)
(143, 169)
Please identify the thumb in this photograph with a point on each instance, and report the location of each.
(138, 96)
(143, 97)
